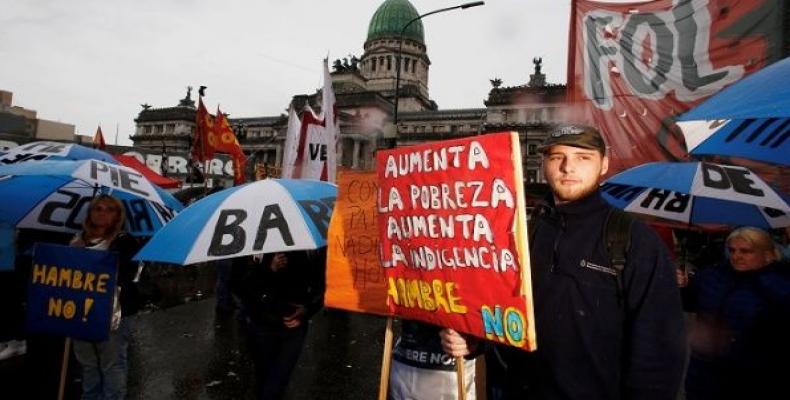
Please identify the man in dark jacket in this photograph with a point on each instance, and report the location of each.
(597, 339)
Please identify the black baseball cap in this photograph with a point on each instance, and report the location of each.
(582, 136)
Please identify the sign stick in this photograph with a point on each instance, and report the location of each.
(385, 361)
(64, 367)
(459, 374)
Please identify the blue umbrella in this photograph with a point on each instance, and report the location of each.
(53, 195)
(271, 215)
(698, 193)
(38, 151)
(750, 119)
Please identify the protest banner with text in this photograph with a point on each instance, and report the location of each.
(354, 279)
(452, 226)
(71, 292)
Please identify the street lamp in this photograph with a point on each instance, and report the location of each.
(400, 49)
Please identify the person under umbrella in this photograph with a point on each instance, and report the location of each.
(739, 338)
(104, 364)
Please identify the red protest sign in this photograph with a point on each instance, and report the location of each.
(451, 224)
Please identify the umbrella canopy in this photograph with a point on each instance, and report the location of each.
(151, 175)
(698, 193)
(38, 151)
(266, 216)
(54, 195)
(749, 119)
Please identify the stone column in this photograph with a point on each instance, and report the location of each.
(355, 155)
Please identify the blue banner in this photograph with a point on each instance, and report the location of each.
(70, 292)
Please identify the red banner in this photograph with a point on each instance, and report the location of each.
(632, 67)
(453, 244)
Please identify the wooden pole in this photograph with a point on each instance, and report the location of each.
(64, 367)
(459, 373)
(385, 361)
(480, 378)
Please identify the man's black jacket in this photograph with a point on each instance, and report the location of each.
(592, 343)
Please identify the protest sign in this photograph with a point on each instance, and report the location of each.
(355, 279)
(71, 291)
(452, 226)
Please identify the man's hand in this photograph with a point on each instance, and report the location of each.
(295, 319)
(453, 343)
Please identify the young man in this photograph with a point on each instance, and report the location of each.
(597, 338)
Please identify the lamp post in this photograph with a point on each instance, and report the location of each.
(400, 49)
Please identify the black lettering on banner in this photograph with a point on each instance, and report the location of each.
(741, 182)
(46, 147)
(319, 211)
(71, 221)
(318, 151)
(24, 157)
(620, 191)
(165, 213)
(137, 215)
(678, 203)
(129, 181)
(232, 228)
(714, 177)
(97, 167)
(272, 218)
(45, 216)
(667, 200)
(659, 195)
(642, 82)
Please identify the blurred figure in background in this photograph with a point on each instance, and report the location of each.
(741, 333)
(279, 292)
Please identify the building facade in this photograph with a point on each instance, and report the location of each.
(365, 92)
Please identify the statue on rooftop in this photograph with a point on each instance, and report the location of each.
(537, 61)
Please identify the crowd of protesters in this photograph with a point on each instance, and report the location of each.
(603, 333)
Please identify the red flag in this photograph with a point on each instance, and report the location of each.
(223, 140)
(201, 146)
(633, 67)
(98, 139)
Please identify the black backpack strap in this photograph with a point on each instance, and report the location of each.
(617, 236)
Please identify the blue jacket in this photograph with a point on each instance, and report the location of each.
(593, 344)
(739, 341)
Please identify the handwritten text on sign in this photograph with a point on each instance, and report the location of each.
(447, 217)
(71, 291)
(355, 280)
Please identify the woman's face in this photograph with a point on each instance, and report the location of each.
(104, 214)
(745, 257)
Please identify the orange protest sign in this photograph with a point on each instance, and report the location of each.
(355, 280)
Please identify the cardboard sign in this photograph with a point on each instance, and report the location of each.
(453, 244)
(355, 280)
(71, 291)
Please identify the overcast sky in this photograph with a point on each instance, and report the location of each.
(94, 62)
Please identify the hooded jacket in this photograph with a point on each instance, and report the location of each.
(593, 343)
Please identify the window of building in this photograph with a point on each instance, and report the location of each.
(148, 129)
(389, 63)
(532, 176)
(170, 128)
(373, 65)
(532, 149)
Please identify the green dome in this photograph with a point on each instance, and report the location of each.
(391, 17)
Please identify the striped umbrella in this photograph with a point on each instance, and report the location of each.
(271, 215)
